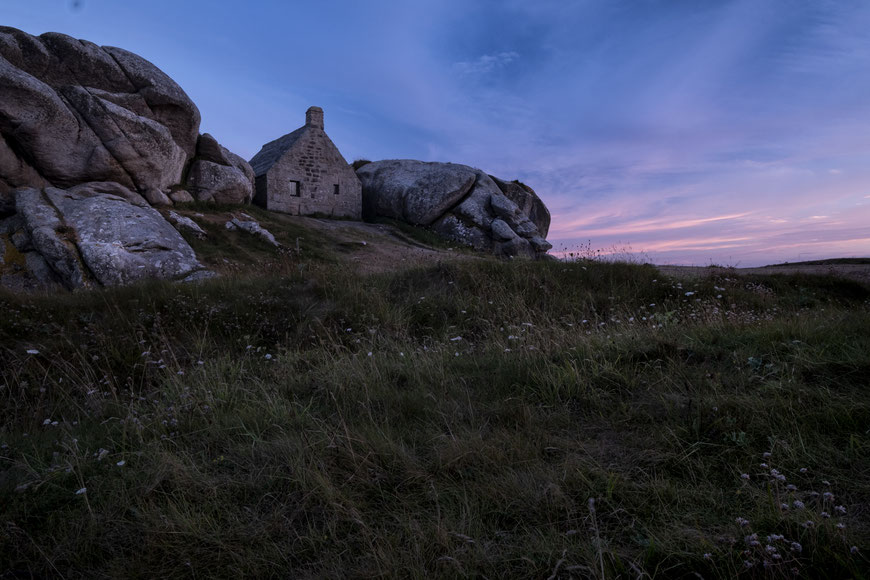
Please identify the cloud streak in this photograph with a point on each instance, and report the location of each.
(486, 63)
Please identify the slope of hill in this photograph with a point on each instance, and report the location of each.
(341, 409)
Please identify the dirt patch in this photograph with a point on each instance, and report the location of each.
(374, 248)
(857, 272)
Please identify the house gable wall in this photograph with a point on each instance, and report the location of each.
(316, 164)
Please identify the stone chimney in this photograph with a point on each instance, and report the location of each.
(314, 117)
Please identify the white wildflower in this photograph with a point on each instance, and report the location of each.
(81, 491)
(752, 540)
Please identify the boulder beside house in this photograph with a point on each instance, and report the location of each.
(304, 173)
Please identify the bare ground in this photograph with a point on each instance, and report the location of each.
(374, 248)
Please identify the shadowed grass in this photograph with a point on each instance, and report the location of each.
(449, 421)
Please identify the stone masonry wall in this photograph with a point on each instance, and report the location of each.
(317, 165)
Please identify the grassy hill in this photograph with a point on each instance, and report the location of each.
(308, 416)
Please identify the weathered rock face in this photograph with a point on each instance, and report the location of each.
(254, 228)
(89, 234)
(458, 202)
(90, 138)
(73, 112)
(413, 191)
(528, 202)
(219, 175)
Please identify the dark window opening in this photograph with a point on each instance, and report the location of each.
(335, 189)
(296, 188)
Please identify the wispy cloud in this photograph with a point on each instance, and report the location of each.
(486, 63)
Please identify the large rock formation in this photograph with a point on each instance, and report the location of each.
(219, 175)
(528, 202)
(458, 202)
(74, 113)
(95, 233)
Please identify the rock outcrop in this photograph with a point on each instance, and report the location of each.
(218, 175)
(95, 234)
(73, 112)
(254, 228)
(458, 202)
(528, 202)
(90, 138)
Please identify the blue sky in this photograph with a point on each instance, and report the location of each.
(735, 132)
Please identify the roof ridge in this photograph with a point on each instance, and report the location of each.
(272, 151)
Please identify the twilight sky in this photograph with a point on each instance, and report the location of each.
(733, 131)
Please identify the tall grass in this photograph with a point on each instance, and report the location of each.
(469, 419)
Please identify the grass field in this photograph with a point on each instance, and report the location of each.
(466, 419)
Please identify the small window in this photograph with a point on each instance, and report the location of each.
(295, 189)
(335, 189)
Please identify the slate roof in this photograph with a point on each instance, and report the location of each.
(274, 150)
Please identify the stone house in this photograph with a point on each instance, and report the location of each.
(303, 173)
